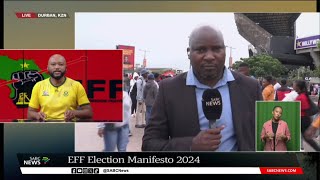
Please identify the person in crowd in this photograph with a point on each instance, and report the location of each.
(245, 69)
(133, 93)
(282, 91)
(149, 94)
(301, 88)
(276, 84)
(126, 82)
(141, 106)
(157, 79)
(268, 92)
(311, 89)
(116, 135)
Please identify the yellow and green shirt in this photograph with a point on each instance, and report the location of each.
(54, 101)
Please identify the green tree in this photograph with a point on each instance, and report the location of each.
(316, 72)
(318, 44)
(262, 65)
(303, 72)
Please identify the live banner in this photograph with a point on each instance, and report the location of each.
(160, 163)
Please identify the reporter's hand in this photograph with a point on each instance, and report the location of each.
(207, 140)
(69, 115)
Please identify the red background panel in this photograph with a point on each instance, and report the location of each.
(76, 61)
(12, 54)
(105, 66)
(8, 108)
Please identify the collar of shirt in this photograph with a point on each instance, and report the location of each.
(193, 81)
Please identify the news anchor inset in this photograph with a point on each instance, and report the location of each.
(59, 98)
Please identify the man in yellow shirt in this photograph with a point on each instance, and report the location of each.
(59, 98)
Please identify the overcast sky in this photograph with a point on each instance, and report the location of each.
(165, 35)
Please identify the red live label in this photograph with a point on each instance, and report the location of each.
(281, 170)
(26, 15)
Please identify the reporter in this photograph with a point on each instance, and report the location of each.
(177, 121)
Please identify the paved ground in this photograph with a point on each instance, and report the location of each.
(87, 139)
(308, 148)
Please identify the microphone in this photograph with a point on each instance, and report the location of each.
(212, 106)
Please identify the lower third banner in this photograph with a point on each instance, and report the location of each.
(161, 170)
(160, 163)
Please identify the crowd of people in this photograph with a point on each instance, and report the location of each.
(139, 93)
(272, 90)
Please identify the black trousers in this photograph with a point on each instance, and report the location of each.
(134, 104)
